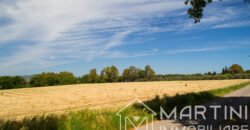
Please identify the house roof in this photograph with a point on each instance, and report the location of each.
(133, 102)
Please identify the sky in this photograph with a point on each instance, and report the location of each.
(78, 35)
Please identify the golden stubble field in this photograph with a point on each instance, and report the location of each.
(32, 101)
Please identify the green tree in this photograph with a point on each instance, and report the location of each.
(19, 81)
(142, 74)
(197, 8)
(109, 74)
(196, 11)
(114, 74)
(45, 79)
(224, 70)
(235, 68)
(126, 74)
(93, 77)
(130, 74)
(67, 78)
(84, 78)
(37, 80)
(51, 78)
(6, 82)
(149, 71)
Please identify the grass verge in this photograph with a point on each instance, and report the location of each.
(107, 119)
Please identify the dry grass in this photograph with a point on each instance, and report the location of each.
(33, 101)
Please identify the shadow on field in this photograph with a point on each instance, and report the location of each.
(207, 98)
(223, 114)
(51, 122)
(178, 101)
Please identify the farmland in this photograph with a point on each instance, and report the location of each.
(18, 103)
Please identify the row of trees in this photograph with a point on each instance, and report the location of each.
(111, 74)
(173, 77)
(7, 82)
(108, 74)
(48, 79)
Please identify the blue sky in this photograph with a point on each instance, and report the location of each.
(76, 36)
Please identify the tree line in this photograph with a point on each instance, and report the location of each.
(111, 74)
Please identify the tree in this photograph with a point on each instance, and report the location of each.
(51, 78)
(109, 74)
(130, 74)
(45, 79)
(235, 68)
(149, 72)
(142, 74)
(223, 71)
(6, 82)
(67, 78)
(84, 78)
(9, 82)
(19, 81)
(126, 74)
(226, 70)
(104, 76)
(37, 80)
(93, 77)
(114, 74)
(196, 11)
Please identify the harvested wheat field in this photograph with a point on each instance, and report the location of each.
(32, 101)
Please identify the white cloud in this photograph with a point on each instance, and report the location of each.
(52, 32)
(234, 24)
(60, 31)
(217, 16)
(197, 50)
(119, 54)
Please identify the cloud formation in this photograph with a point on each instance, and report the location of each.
(197, 50)
(52, 32)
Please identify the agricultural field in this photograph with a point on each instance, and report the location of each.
(17, 103)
